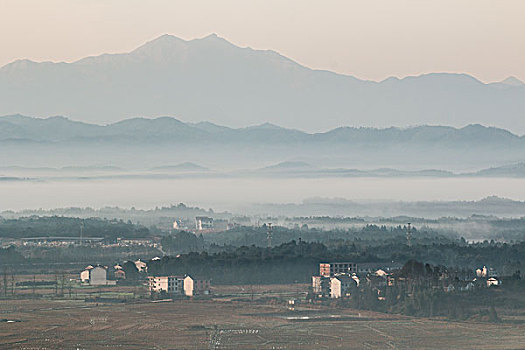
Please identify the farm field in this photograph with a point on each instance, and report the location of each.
(220, 324)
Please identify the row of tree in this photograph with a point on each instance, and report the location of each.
(60, 226)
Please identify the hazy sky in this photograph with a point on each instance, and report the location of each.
(370, 39)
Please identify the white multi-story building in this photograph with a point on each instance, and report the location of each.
(169, 284)
(179, 285)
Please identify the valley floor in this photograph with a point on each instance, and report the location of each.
(228, 324)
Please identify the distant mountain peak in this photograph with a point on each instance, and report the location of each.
(168, 47)
(289, 165)
(512, 81)
(211, 36)
(162, 43)
(182, 167)
(495, 199)
(19, 65)
(169, 40)
(213, 40)
(150, 121)
(266, 125)
(164, 39)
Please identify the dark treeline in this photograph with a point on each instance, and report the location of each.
(372, 234)
(287, 263)
(298, 261)
(149, 217)
(240, 254)
(506, 258)
(72, 258)
(86, 254)
(58, 226)
(182, 242)
(10, 255)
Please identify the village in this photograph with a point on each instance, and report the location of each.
(343, 279)
(272, 289)
(336, 280)
(158, 286)
(240, 296)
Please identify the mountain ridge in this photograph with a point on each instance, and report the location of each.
(212, 79)
(60, 129)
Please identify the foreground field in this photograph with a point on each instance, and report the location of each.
(220, 324)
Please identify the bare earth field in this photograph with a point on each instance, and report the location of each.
(219, 324)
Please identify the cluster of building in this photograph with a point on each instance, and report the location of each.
(84, 241)
(342, 279)
(136, 242)
(202, 224)
(335, 280)
(489, 276)
(60, 241)
(99, 275)
(183, 285)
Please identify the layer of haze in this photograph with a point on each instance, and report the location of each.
(368, 39)
(234, 194)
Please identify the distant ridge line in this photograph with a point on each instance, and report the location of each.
(212, 79)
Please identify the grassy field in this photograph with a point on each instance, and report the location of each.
(224, 322)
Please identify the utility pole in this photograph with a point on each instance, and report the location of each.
(5, 283)
(409, 234)
(13, 283)
(81, 231)
(269, 234)
(63, 281)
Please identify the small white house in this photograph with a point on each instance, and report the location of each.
(381, 273)
(84, 275)
(95, 276)
(141, 265)
(484, 272)
(493, 282)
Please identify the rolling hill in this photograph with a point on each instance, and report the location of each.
(141, 143)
